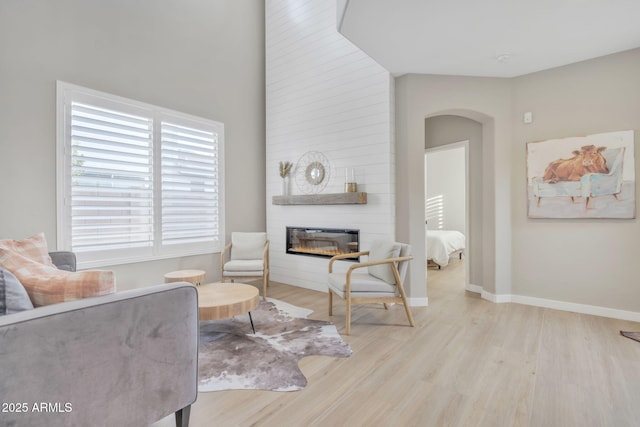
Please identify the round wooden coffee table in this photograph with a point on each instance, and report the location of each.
(223, 300)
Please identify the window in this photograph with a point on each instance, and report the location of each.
(136, 182)
(434, 212)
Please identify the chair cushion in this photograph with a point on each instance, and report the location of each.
(360, 282)
(381, 249)
(248, 245)
(48, 285)
(13, 296)
(244, 265)
(34, 248)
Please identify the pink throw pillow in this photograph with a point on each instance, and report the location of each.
(35, 248)
(46, 284)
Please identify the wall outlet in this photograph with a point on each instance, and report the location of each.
(528, 117)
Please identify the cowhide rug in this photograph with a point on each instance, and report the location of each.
(231, 357)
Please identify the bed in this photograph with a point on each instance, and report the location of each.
(441, 244)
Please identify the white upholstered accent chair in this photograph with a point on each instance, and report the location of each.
(246, 257)
(378, 280)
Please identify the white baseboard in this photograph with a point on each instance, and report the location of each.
(578, 308)
(526, 300)
(473, 288)
(564, 306)
(418, 302)
(499, 298)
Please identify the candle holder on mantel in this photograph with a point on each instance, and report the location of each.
(350, 185)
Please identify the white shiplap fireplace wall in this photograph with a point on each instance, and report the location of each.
(324, 94)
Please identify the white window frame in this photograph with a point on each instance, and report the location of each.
(68, 93)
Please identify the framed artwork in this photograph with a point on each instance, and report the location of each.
(582, 177)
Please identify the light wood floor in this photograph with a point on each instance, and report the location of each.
(467, 362)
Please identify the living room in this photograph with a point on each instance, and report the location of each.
(209, 60)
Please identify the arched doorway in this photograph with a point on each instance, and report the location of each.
(445, 130)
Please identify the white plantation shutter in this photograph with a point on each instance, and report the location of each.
(136, 182)
(111, 179)
(189, 184)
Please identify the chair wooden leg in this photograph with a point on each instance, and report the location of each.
(330, 303)
(348, 317)
(406, 306)
(409, 316)
(407, 310)
(265, 282)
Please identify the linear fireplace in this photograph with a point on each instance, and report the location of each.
(323, 242)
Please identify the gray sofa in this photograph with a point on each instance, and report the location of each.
(125, 359)
(64, 260)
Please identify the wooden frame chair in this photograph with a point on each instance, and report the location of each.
(246, 257)
(381, 283)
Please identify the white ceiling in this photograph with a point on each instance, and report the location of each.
(467, 37)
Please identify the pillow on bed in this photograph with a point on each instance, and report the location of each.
(381, 249)
(48, 285)
(34, 248)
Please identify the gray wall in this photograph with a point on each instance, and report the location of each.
(583, 261)
(484, 100)
(588, 262)
(204, 58)
(447, 129)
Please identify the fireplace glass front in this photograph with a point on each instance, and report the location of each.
(323, 242)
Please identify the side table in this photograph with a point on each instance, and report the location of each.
(192, 276)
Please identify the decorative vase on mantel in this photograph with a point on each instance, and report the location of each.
(285, 186)
(284, 168)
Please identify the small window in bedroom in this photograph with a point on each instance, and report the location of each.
(136, 182)
(434, 212)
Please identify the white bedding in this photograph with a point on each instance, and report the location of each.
(442, 243)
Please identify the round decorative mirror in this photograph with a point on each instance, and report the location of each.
(312, 172)
(315, 173)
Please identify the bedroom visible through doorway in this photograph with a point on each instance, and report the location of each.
(446, 207)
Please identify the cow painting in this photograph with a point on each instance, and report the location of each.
(588, 159)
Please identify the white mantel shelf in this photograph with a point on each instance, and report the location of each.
(322, 199)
